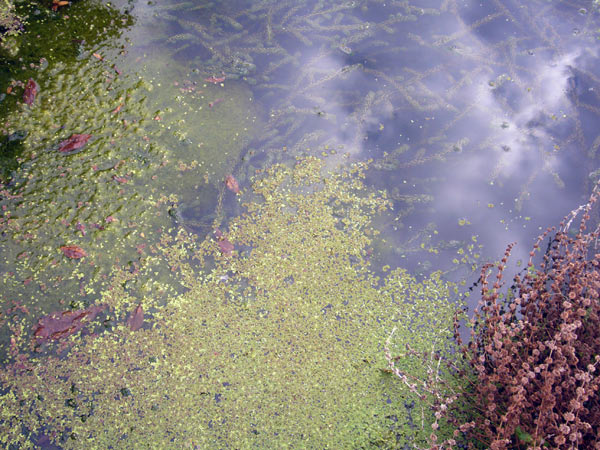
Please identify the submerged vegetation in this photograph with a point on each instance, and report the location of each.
(90, 161)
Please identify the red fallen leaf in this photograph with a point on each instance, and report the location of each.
(136, 318)
(58, 3)
(58, 325)
(16, 307)
(119, 179)
(232, 184)
(225, 246)
(31, 90)
(214, 80)
(80, 227)
(75, 142)
(73, 251)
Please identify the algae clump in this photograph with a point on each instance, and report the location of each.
(276, 345)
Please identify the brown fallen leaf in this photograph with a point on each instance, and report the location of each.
(136, 318)
(232, 184)
(58, 325)
(226, 247)
(31, 90)
(75, 142)
(214, 80)
(73, 251)
(58, 3)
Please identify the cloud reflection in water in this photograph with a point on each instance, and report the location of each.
(489, 108)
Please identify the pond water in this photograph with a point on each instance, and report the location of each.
(475, 113)
(479, 120)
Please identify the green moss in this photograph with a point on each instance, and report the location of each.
(208, 124)
(58, 199)
(278, 345)
(153, 150)
(10, 24)
(23, 50)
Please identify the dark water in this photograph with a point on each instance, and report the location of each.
(480, 119)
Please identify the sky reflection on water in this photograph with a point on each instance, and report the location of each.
(489, 110)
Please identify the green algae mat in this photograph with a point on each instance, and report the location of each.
(154, 305)
(275, 342)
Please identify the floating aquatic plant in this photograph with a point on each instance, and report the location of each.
(260, 344)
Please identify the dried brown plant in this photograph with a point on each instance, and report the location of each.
(535, 349)
(531, 378)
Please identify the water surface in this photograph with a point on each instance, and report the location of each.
(478, 119)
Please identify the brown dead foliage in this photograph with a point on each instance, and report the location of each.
(534, 348)
(530, 374)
